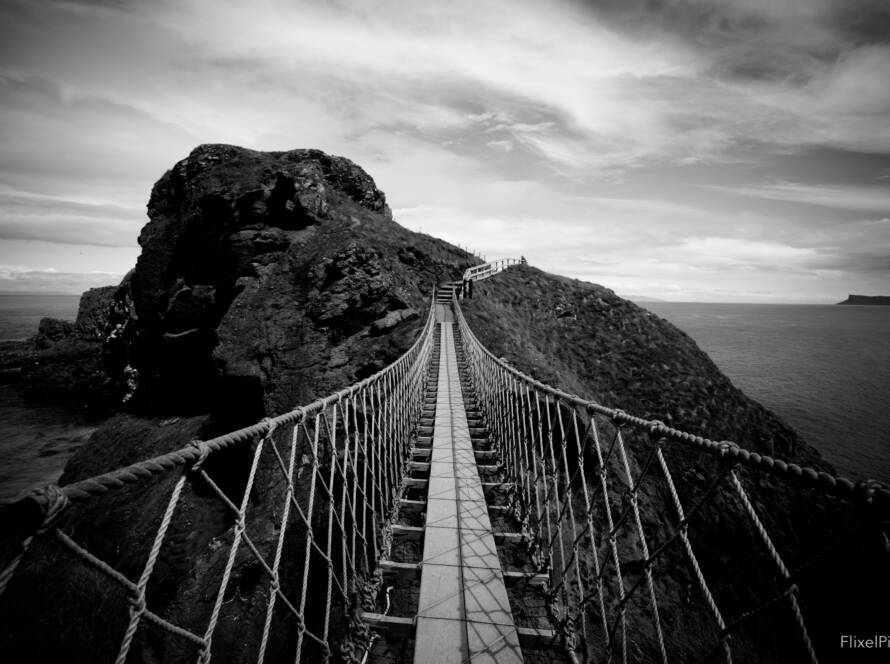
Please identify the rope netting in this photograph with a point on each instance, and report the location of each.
(341, 462)
(596, 494)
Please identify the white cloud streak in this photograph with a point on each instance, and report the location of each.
(862, 198)
(511, 127)
(21, 279)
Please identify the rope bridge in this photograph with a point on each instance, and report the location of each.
(342, 458)
(578, 487)
(579, 477)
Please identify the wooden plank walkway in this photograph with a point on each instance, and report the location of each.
(464, 613)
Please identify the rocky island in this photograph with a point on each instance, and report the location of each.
(867, 299)
(267, 280)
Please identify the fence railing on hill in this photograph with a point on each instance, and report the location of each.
(338, 463)
(491, 268)
(581, 492)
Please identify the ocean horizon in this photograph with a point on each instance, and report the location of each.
(824, 369)
(20, 313)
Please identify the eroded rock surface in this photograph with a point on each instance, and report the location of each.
(62, 363)
(265, 281)
(253, 267)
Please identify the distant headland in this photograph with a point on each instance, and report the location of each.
(867, 299)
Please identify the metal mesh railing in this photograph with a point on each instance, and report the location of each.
(341, 463)
(602, 508)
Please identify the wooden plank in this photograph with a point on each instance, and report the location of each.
(536, 638)
(514, 538)
(463, 609)
(530, 578)
(412, 505)
(392, 568)
(402, 628)
(492, 486)
(407, 532)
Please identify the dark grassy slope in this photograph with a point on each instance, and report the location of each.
(584, 339)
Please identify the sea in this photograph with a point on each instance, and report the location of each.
(823, 369)
(20, 313)
(36, 439)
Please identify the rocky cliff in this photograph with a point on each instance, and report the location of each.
(265, 280)
(584, 339)
(269, 279)
(867, 299)
(62, 363)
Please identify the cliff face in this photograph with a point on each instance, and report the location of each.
(268, 279)
(265, 281)
(867, 299)
(584, 339)
(62, 363)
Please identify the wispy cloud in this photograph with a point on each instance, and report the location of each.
(49, 219)
(862, 198)
(20, 279)
(579, 133)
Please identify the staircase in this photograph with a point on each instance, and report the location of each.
(461, 586)
(445, 292)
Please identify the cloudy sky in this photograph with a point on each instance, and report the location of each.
(715, 150)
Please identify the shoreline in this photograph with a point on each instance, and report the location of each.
(36, 440)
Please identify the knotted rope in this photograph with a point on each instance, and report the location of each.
(348, 451)
(50, 501)
(554, 451)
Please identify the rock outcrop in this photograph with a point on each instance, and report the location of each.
(93, 312)
(262, 274)
(63, 363)
(867, 299)
(51, 331)
(90, 325)
(265, 281)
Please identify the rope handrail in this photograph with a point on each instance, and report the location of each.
(99, 484)
(354, 444)
(580, 491)
(865, 490)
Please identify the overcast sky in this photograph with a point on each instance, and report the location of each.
(715, 150)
